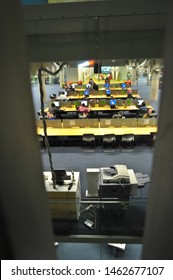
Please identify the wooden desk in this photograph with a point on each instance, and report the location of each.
(63, 203)
(103, 109)
(101, 96)
(103, 88)
(76, 131)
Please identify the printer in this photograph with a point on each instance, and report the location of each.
(115, 174)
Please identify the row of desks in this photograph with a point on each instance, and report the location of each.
(99, 94)
(116, 89)
(77, 131)
(103, 108)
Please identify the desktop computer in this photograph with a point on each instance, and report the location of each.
(107, 85)
(61, 176)
(57, 105)
(113, 103)
(87, 92)
(85, 102)
(108, 92)
(123, 85)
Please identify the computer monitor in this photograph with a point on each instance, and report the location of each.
(87, 92)
(56, 103)
(107, 85)
(108, 92)
(61, 176)
(123, 85)
(139, 102)
(84, 102)
(52, 96)
(113, 103)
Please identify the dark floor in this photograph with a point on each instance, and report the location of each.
(97, 251)
(113, 222)
(72, 156)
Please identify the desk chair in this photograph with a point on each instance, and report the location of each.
(153, 115)
(128, 140)
(109, 141)
(117, 116)
(151, 139)
(88, 140)
(52, 96)
(41, 142)
(82, 115)
(39, 115)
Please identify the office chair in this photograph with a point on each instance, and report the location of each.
(153, 115)
(109, 141)
(151, 139)
(39, 115)
(128, 140)
(83, 115)
(88, 140)
(41, 141)
(117, 116)
(52, 96)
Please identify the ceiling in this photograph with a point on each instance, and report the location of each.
(95, 30)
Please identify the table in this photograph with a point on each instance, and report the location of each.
(101, 95)
(64, 203)
(105, 108)
(77, 131)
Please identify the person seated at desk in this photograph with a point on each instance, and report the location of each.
(95, 86)
(91, 81)
(148, 114)
(107, 83)
(53, 112)
(62, 97)
(52, 96)
(68, 87)
(90, 84)
(128, 82)
(83, 111)
(129, 93)
(142, 109)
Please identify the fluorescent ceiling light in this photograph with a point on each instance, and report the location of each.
(86, 63)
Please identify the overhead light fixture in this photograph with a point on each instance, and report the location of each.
(86, 63)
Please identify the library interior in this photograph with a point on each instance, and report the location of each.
(89, 143)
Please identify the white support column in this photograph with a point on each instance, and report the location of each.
(122, 72)
(155, 79)
(134, 73)
(44, 87)
(148, 76)
(117, 73)
(65, 74)
(154, 85)
(61, 75)
(80, 74)
(26, 228)
(159, 225)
